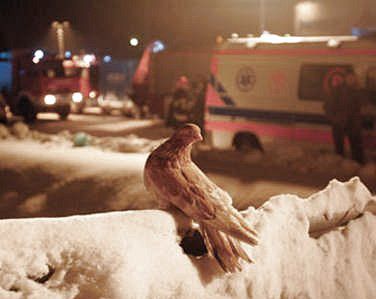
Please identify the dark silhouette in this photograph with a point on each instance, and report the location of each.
(180, 110)
(3, 103)
(343, 110)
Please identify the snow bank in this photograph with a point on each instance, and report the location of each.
(52, 180)
(301, 159)
(128, 144)
(320, 247)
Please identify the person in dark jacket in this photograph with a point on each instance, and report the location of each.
(181, 107)
(343, 110)
(3, 104)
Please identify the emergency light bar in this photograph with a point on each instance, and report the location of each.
(269, 38)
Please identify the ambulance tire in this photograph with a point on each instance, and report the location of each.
(246, 142)
(27, 110)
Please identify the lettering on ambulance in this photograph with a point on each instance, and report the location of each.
(245, 79)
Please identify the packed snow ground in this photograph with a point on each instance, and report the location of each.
(46, 175)
(323, 246)
(319, 247)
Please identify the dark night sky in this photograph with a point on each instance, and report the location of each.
(105, 26)
(108, 25)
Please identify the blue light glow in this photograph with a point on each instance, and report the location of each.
(107, 58)
(68, 54)
(158, 46)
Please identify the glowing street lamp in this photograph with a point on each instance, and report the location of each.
(134, 42)
(60, 27)
(306, 12)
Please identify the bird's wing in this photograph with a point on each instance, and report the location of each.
(227, 218)
(176, 186)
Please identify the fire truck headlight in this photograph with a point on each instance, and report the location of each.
(92, 94)
(49, 99)
(77, 97)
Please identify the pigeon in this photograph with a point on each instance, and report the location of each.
(174, 180)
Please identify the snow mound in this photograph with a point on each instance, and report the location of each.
(127, 144)
(320, 247)
(52, 180)
(4, 132)
(20, 130)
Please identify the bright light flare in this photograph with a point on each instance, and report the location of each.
(39, 54)
(107, 58)
(92, 94)
(158, 46)
(307, 11)
(133, 42)
(89, 59)
(77, 97)
(68, 54)
(35, 60)
(49, 99)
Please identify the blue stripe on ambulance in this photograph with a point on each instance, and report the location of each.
(225, 97)
(270, 116)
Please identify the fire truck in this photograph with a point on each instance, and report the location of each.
(273, 87)
(87, 68)
(36, 82)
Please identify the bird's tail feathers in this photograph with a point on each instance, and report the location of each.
(224, 248)
(238, 227)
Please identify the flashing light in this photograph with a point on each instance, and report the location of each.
(49, 99)
(35, 60)
(333, 43)
(92, 94)
(158, 46)
(107, 58)
(68, 54)
(77, 97)
(133, 42)
(89, 58)
(39, 54)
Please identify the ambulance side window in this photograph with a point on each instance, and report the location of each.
(313, 77)
(310, 82)
(371, 83)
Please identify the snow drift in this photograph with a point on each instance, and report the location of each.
(320, 247)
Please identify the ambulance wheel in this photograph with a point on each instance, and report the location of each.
(27, 110)
(246, 141)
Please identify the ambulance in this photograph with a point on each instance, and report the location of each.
(272, 87)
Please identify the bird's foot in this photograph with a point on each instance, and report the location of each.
(193, 243)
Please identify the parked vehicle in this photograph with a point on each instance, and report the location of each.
(88, 67)
(38, 83)
(110, 102)
(274, 86)
(115, 85)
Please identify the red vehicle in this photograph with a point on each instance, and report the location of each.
(45, 84)
(87, 69)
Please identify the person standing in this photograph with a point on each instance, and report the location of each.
(3, 104)
(343, 109)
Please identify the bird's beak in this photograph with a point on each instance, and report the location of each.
(199, 138)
